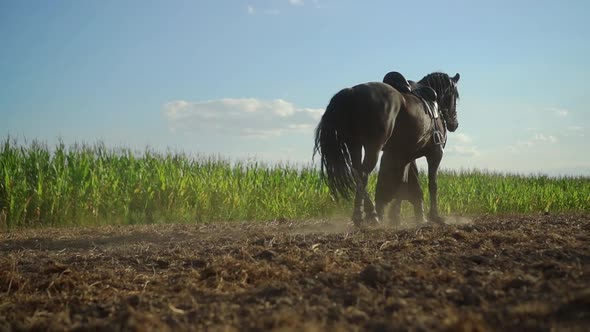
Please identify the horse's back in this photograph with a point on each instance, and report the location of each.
(374, 87)
(376, 107)
(373, 97)
(377, 97)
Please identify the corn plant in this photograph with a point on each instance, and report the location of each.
(92, 184)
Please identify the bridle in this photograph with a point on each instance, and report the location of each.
(440, 136)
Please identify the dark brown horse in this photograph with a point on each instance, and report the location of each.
(395, 164)
(376, 117)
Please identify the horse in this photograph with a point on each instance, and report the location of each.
(374, 117)
(409, 189)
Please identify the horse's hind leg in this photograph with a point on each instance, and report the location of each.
(369, 163)
(356, 159)
(383, 192)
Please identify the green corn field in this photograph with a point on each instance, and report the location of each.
(93, 184)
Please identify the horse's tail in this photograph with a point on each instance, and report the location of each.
(332, 146)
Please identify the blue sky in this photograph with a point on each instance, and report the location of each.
(251, 78)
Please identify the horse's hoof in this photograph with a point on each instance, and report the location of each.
(421, 220)
(437, 219)
(394, 223)
(357, 218)
(372, 220)
(395, 220)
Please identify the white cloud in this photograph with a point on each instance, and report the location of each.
(549, 159)
(253, 11)
(315, 113)
(246, 117)
(302, 127)
(262, 133)
(544, 138)
(527, 143)
(574, 131)
(462, 150)
(272, 11)
(317, 4)
(461, 138)
(536, 139)
(560, 112)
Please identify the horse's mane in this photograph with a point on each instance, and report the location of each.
(440, 82)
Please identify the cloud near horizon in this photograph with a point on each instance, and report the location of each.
(244, 117)
(536, 139)
(462, 151)
(559, 112)
(461, 138)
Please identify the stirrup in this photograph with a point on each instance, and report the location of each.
(438, 139)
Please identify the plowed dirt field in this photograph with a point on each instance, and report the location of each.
(510, 273)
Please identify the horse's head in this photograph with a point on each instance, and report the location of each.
(446, 90)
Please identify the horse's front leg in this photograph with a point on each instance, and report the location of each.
(433, 160)
(416, 196)
(417, 203)
(389, 181)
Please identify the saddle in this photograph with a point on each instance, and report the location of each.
(424, 93)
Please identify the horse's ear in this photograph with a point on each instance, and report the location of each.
(456, 78)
